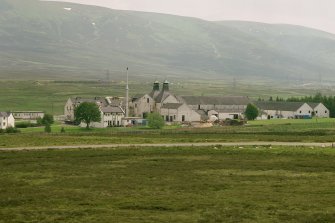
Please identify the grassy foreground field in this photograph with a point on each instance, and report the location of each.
(210, 184)
(322, 130)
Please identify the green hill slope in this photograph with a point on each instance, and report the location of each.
(54, 40)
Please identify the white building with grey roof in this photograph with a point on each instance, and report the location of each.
(319, 110)
(284, 110)
(7, 120)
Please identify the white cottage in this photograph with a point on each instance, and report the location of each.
(319, 110)
(7, 120)
(72, 103)
(285, 110)
(111, 116)
(177, 112)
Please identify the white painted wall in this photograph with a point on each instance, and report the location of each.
(7, 122)
(107, 120)
(177, 114)
(145, 104)
(321, 111)
(304, 110)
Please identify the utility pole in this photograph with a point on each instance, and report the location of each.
(127, 96)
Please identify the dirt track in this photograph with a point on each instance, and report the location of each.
(239, 144)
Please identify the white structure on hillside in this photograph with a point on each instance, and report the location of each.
(7, 120)
(275, 110)
(28, 115)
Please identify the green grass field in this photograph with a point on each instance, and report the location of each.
(168, 185)
(321, 130)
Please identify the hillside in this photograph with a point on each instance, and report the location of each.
(53, 40)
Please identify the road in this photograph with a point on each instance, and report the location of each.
(225, 144)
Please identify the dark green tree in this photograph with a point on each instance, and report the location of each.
(47, 128)
(87, 112)
(48, 119)
(155, 120)
(251, 112)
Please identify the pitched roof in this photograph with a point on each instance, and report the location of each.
(313, 104)
(162, 96)
(172, 105)
(215, 100)
(112, 109)
(202, 113)
(5, 114)
(79, 100)
(279, 106)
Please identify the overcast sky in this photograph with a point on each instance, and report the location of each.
(318, 14)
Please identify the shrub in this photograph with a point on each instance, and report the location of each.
(47, 128)
(48, 119)
(251, 112)
(155, 121)
(62, 130)
(12, 130)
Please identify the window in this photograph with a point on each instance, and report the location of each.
(316, 112)
(326, 112)
(309, 112)
(300, 112)
(148, 100)
(167, 118)
(183, 118)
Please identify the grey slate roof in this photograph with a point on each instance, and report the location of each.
(279, 106)
(203, 114)
(313, 104)
(112, 109)
(162, 96)
(231, 110)
(215, 100)
(4, 114)
(79, 100)
(172, 105)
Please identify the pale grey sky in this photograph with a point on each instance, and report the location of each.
(318, 14)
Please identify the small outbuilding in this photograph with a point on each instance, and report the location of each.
(7, 120)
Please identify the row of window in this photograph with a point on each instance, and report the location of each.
(173, 118)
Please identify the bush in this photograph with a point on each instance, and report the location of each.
(48, 119)
(12, 130)
(47, 128)
(62, 130)
(23, 125)
(155, 121)
(251, 112)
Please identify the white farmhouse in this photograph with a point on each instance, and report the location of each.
(72, 103)
(177, 112)
(111, 116)
(7, 120)
(285, 110)
(319, 110)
